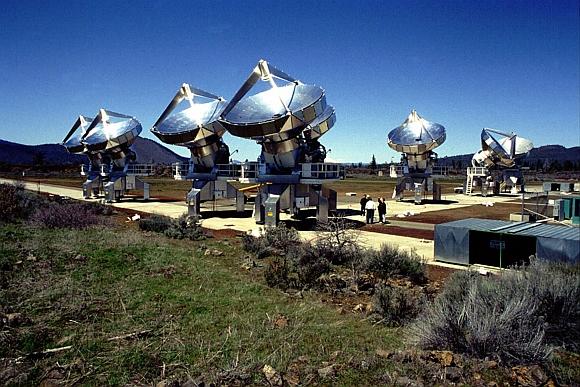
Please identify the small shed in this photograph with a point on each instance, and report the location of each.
(502, 243)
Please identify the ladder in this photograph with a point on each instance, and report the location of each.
(469, 185)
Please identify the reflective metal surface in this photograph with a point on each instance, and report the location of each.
(416, 135)
(286, 120)
(195, 125)
(499, 148)
(72, 141)
(105, 134)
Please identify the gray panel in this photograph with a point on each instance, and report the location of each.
(451, 244)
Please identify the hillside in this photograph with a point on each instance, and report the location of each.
(148, 151)
(545, 153)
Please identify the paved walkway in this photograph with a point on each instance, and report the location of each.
(246, 224)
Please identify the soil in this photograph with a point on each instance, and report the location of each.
(499, 211)
(402, 231)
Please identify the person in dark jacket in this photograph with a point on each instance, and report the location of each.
(382, 208)
(363, 203)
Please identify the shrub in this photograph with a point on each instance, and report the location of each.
(338, 243)
(281, 237)
(273, 241)
(185, 227)
(256, 245)
(309, 265)
(397, 306)
(155, 223)
(277, 273)
(390, 261)
(16, 203)
(66, 215)
(512, 317)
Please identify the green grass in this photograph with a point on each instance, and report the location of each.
(205, 314)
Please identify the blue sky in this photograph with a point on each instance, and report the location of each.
(510, 65)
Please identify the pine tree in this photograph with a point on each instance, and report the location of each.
(373, 164)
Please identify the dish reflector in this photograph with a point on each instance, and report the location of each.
(281, 112)
(196, 125)
(416, 135)
(110, 130)
(72, 141)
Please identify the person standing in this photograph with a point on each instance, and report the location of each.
(363, 202)
(382, 208)
(370, 207)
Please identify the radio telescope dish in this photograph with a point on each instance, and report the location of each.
(110, 130)
(416, 135)
(281, 112)
(72, 141)
(498, 148)
(196, 125)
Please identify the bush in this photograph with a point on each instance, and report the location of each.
(182, 228)
(16, 203)
(512, 317)
(390, 261)
(338, 243)
(66, 215)
(397, 306)
(273, 241)
(185, 227)
(256, 245)
(281, 237)
(310, 266)
(155, 223)
(277, 273)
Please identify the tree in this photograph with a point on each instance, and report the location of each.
(373, 164)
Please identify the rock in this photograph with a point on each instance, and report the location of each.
(382, 353)
(532, 375)
(359, 308)
(327, 372)
(445, 358)
(272, 376)
(53, 378)
(408, 382)
(214, 252)
(335, 355)
(453, 374)
(484, 365)
(280, 321)
(15, 319)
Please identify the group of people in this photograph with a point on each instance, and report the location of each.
(368, 207)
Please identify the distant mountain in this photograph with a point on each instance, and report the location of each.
(148, 151)
(543, 154)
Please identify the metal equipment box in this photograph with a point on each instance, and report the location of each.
(272, 211)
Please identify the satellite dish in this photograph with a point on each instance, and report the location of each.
(416, 135)
(499, 148)
(109, 131)
(196, 125)
(72, 141)
(278, 117)
(280, 113)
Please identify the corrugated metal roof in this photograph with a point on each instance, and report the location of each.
(518, 228)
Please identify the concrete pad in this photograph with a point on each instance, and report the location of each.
(245, 224)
